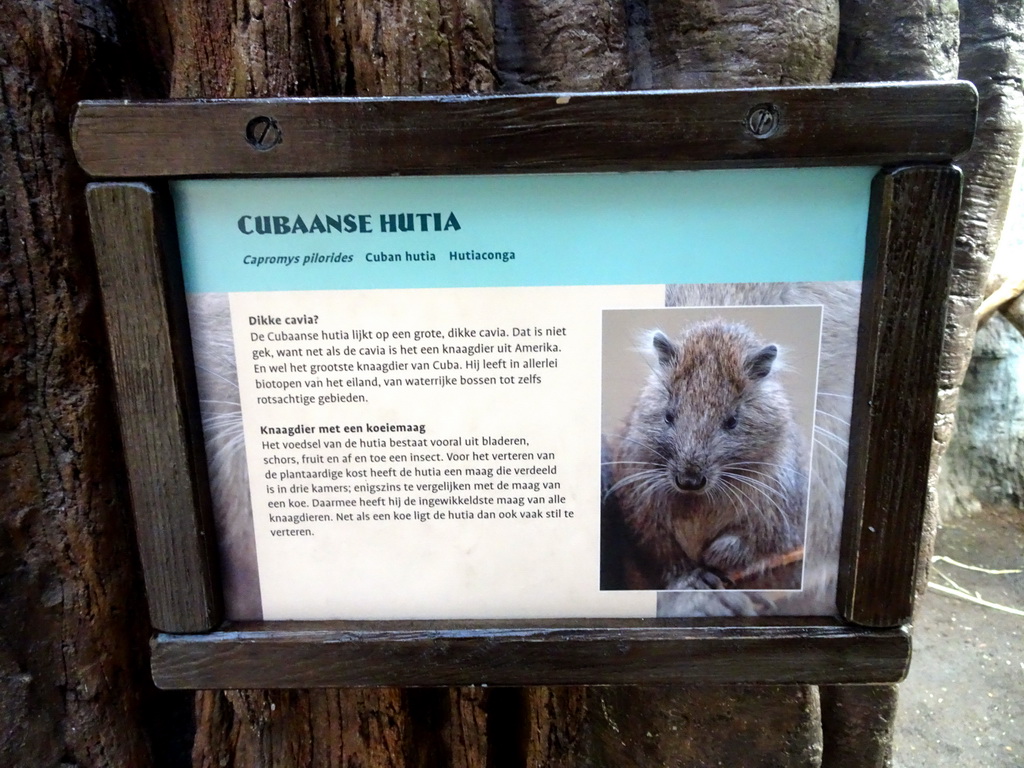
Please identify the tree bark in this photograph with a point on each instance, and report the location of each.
(72, 630)
(912, 40)
(740, 45)
(703, 725)
(330, 728)
(428, 46)
(561, 45)
(858, 722)
(255, 49)
(992, 57)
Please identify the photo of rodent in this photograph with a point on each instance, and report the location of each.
(709, 417)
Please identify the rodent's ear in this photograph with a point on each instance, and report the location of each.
(666, 350)
(759, 364)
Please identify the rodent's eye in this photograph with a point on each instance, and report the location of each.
(730, 422)
(670, 417)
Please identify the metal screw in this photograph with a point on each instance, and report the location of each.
(763, 120)
(263, 133)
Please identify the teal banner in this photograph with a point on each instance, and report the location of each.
(737, 226)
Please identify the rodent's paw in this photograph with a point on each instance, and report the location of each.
(699, 578)
(727, 553)
(719, 602)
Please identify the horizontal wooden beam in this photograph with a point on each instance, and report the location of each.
(872, 124)
(334, 654)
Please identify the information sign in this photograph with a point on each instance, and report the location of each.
(530, 390)
(410, 387)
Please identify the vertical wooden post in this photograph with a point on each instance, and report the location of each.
(135, 244)
(910, 236)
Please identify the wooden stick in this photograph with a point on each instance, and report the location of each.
(1010, 289)
(768, 564)
(972, 599)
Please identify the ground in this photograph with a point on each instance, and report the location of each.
(963, 701)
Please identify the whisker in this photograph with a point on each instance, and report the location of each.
(765, 491)
(756, 483)
(839, 458)
(735, 496)
(750, 505)
(653, 449)
(230, 418)
(838, 418)
(747, 481)
(211, 372)
(636, 477)
(745, 464)
(833, 435)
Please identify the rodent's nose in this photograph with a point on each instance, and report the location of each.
(690, 479)
(693, 484)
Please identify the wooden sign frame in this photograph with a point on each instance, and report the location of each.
(912, 131)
